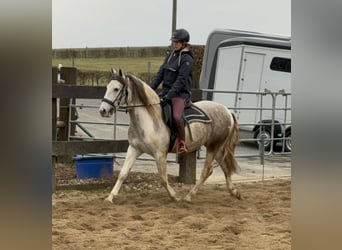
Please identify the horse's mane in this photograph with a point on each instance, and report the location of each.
(144, 94)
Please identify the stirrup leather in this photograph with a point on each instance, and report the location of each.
(181, 147)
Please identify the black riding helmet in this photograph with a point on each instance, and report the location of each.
(180, 35)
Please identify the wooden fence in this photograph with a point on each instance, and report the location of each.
(68, 92)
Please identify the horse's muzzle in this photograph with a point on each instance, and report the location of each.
(104, 113)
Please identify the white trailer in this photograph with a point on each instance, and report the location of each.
(256, 69)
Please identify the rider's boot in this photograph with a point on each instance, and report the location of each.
(181, 146)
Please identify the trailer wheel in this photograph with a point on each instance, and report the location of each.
(288, 145)
(266, 133)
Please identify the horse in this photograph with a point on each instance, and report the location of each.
(149, 134)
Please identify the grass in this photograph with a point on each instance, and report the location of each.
(133, 65)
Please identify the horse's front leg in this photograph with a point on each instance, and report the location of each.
(131, 156)
(162, 170)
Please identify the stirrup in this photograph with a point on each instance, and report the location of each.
(181, 147)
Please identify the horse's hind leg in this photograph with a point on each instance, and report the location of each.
(226, 168)
(161, 166)
(206, 172)
(131, 156)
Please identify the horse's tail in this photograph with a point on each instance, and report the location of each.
(232, 142)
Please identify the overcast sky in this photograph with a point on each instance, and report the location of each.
(121, 23)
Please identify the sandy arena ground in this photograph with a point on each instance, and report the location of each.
(144, 217)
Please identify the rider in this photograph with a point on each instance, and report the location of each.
(176, 75)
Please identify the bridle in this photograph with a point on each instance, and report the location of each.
(123, 92)
(115, 104)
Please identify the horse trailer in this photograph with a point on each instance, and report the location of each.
(250, 73)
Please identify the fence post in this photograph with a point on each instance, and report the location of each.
(54, 128)
(54, 105)
(187, 168)
(149, 72)
(187, 162)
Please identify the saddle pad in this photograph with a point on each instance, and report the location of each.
(195, 114)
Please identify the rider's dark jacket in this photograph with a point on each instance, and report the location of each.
(176, 75)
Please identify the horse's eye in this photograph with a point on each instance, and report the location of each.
(116, 89)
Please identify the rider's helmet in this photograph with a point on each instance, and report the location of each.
(180, 35)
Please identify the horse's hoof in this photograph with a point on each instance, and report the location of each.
(237, 194)
(110, 199)
(187, 198)
(176, 199)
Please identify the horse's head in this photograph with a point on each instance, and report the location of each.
(116, 91)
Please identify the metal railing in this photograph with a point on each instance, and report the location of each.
(271, 123)
(261, 109)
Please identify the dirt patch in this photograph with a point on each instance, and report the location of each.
(144, 217)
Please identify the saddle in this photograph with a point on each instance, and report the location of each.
(191, 113)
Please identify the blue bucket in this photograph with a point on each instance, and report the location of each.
(94, 166)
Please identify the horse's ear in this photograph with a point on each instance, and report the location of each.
(113, 71)
(120, 72)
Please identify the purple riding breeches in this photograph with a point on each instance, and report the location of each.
(178, 105)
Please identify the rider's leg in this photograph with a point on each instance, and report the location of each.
(178, 105)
